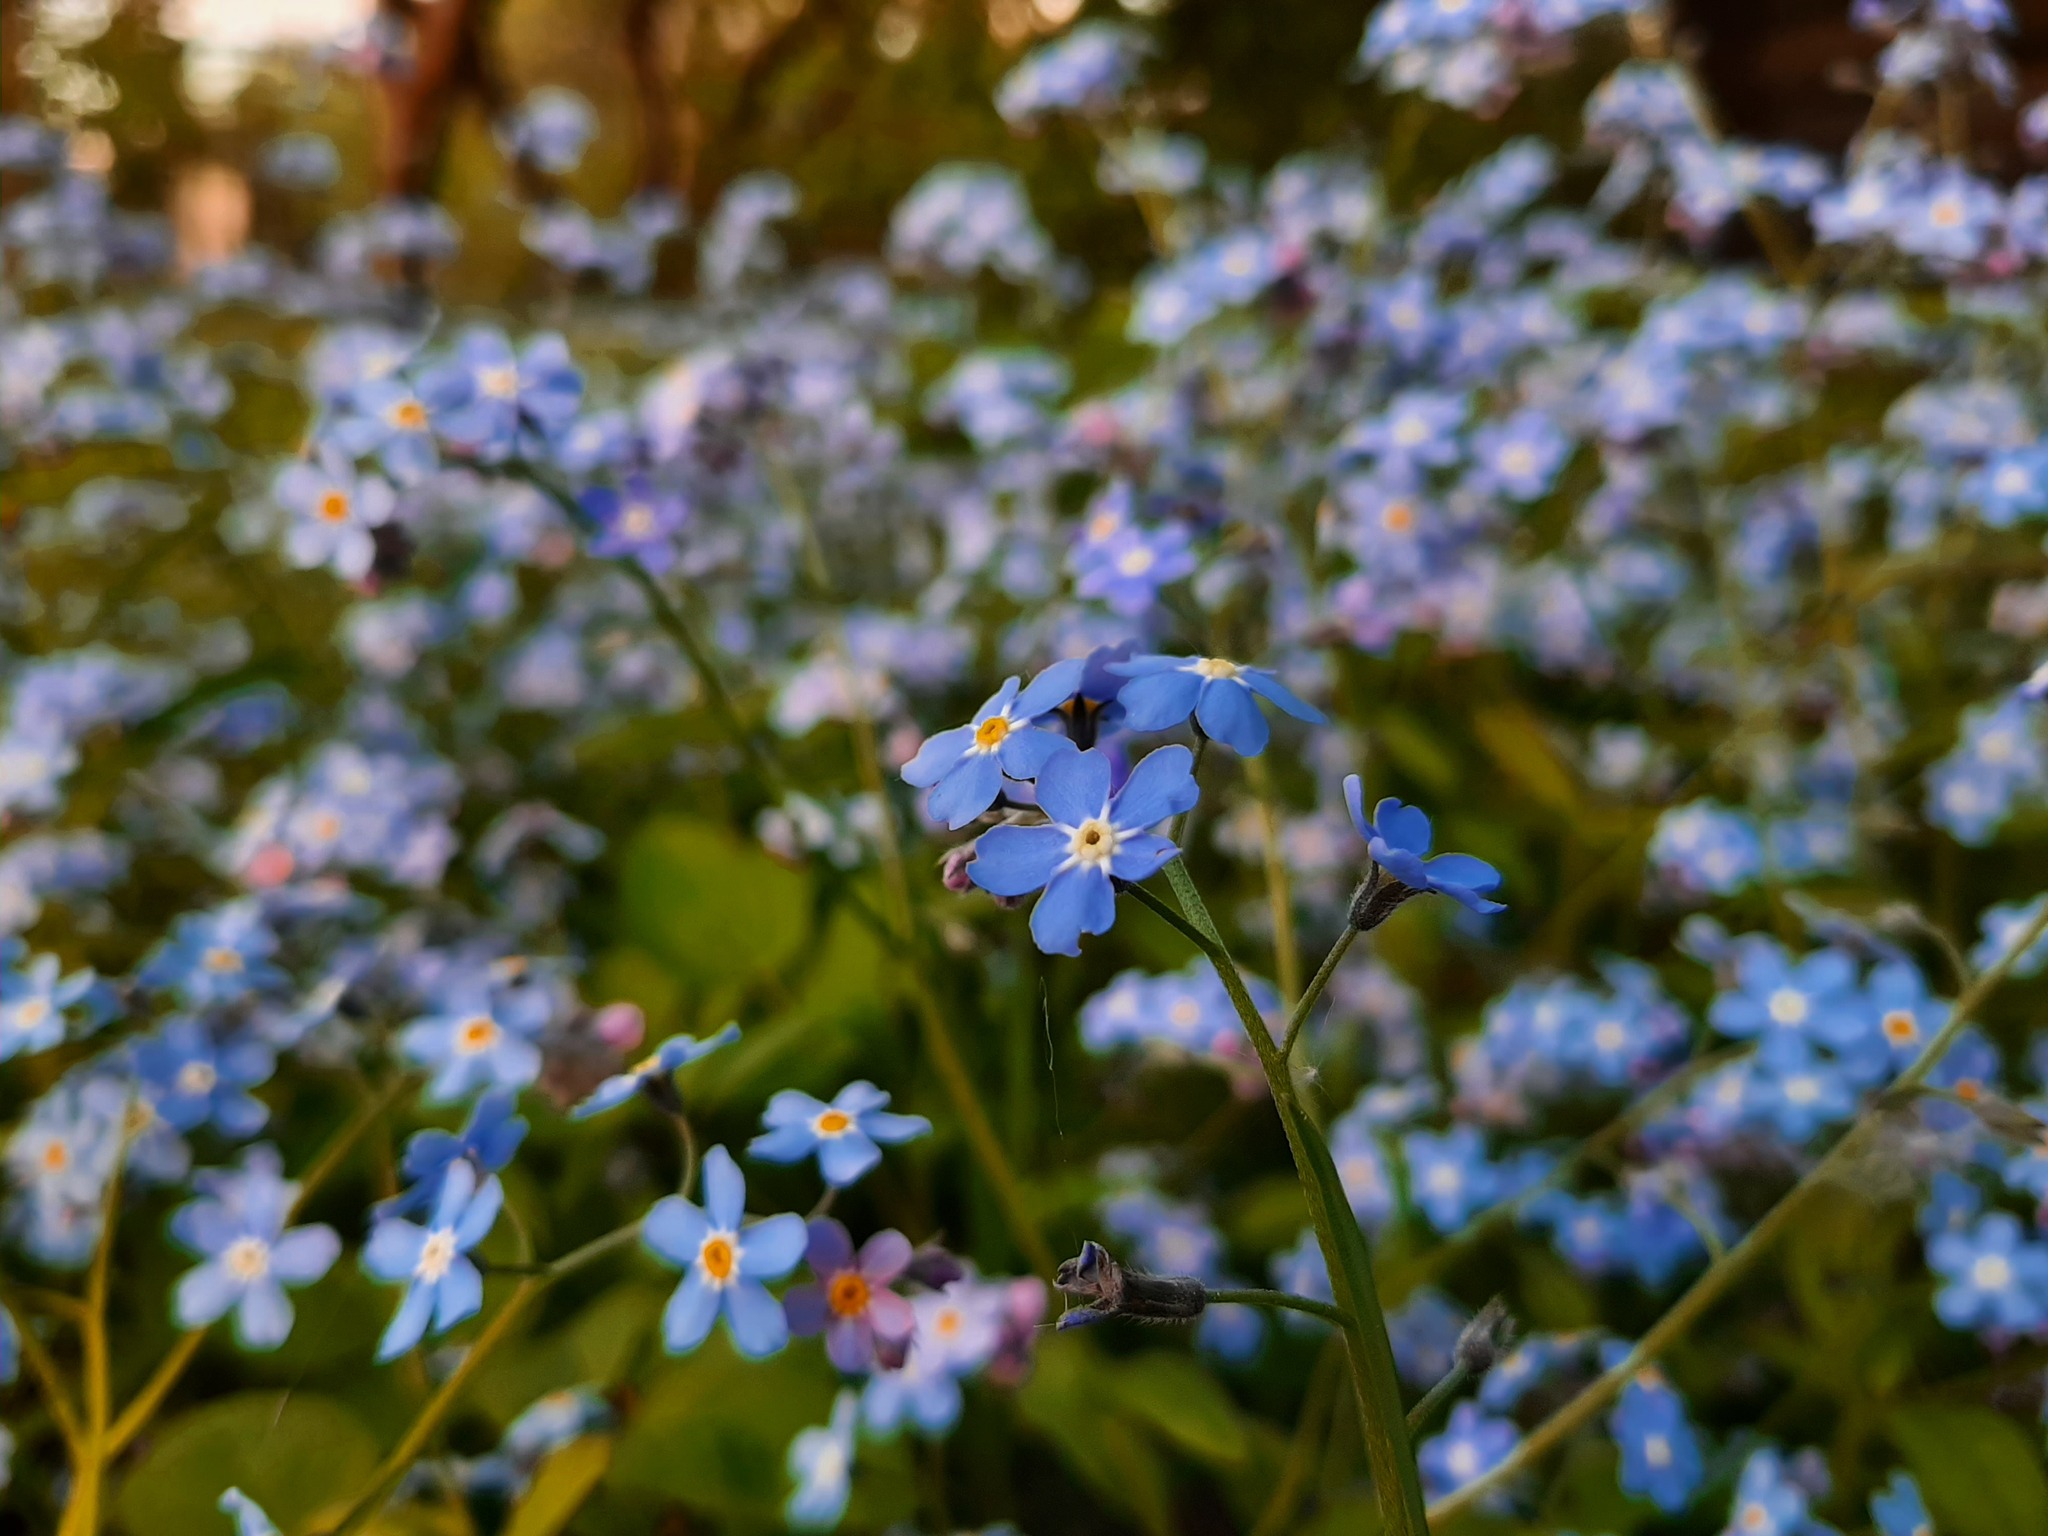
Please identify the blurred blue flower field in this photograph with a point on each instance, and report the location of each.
(1040, 768)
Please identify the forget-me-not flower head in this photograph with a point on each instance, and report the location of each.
(488, 1139)
(1164, 690)
(238, 1229)
(442, 1285)
(248, 1515)
(671, 1055)
(1398, 838)
(847, 1135)
(820, 1461)
(964, 768)
(850, 1302)
(1092, 839)
(723, 1263)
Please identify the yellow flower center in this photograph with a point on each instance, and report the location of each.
(31, 1013)
(334, 507)
(477, 1034)
(718, 1258)
(847, 1295)
(56, 1157)
(990, 733)
(1397, 517)
(833, 1122)
(498, 383)
(1215, 667)
(222, 961)
(409, 415)
(1900, 1027)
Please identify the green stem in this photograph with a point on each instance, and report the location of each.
(134, 1418)
(1285, 1301)
(438, 1407)
(1321, 979)
(1425, 1410)
(1279, 889)
(1374, 1380)
(1731, 1266)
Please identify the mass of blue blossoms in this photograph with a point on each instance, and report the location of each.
(514, 822)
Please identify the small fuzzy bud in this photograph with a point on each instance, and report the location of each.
(1483, 1341)
(1376, 900)
(953, 869)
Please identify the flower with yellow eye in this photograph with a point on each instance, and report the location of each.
(965, 767)
(724, 1261)
(850, 1302)
(1091, 840)
(654, 1070)
(847, 1135)
(1164, 690)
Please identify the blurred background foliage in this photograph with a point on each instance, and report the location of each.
(853, 100)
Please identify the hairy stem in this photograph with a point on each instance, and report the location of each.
(1426, 1409)
(1374, 1381)
(1732, 1265)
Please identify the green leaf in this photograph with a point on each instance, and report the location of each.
(709, 904)
(1980, 1470)
(1183, 1402)
(1072, 1400)
(561, 1485)
(1521, 749)
(295, 1453)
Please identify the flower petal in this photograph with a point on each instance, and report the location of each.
(686, 1320)
(1050, 689)
(758, 1327)
(1162, 785)
(969, 788)
(725, 1190)
(1074, 786)
(938, 754)
(674, 1230)
(1014, 861)
(771, 1248)
(1159, 701)
(1228, 712)
(1076, 901)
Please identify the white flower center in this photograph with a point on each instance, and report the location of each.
(1802, 1090)
(247, 1259)
(498, 383)
(197, 1077)
(1608, 1035)
(1215, 668)
(1991, 1272)
(1657, 1451)
(1135, 561)
(437, 1253)
(1789, 1006)
(1094, 842)
(29, 1014)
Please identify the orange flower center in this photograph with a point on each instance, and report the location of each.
(409, 414)
(1900, 1027)
(990, 733)
(847, 1295)
(718, 1258)
(833, 1122)
(55, 1156)
(334, 507)
(477, 1034)
(222, 961)
(1398, 517)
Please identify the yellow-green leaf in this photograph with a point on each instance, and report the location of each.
(561, 1485)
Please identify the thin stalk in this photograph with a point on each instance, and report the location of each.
(1181, 823)
(1279, 888)
(1446, 1389)
(1284, 1301)
(1725, 1271)
(438, 1407)
(670, 616)
(82, 1509)
(44, 1369)
(1320, 980)
(134, 1418)
(1374, 1380)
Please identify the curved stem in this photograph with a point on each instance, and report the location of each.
(438, 1407)
(1321, 979)
(1425, 1410)
(1284, 1301)
(1731, 1266)
(44, 1369)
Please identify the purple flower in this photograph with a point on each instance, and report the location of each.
(1092, 839)
(851, 1303)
